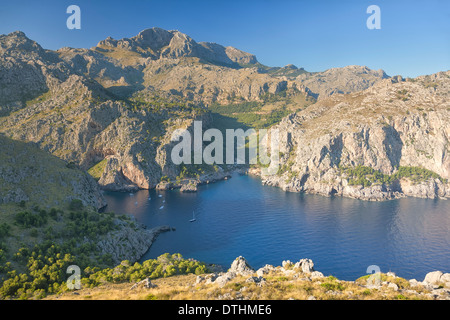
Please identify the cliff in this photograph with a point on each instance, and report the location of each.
(388, 141)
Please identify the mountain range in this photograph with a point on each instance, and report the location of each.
(112, 109)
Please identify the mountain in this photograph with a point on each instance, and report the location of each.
(112, 109)
(157, 43)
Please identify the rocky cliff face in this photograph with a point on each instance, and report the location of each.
(391, 127)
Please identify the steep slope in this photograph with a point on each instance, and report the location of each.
(388, 141)
(31, 175)
(26, 71)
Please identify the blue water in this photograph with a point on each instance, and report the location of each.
(266, 225)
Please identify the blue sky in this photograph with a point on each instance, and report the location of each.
(414, 38)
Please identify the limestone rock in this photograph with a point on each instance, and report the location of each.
(240, 266)
(264, 270)
(128, 243)
(306, 265)
(146, 283)
(381, 128)
(437, 278)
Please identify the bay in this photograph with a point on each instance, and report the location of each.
(266, 225)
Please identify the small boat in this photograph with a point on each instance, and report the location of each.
(159, 195)
(149, 198)
(193, 217)
(164, 201)
(161, 207)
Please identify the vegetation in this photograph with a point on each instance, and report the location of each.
(165, 265)
(97, 170)
(366, 176)
(37, 245)
(261, 114)
(173, 105)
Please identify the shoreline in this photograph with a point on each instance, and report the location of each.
(424, 190)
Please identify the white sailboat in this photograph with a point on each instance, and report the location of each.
(193, 217)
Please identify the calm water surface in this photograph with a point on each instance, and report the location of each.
(267, 225)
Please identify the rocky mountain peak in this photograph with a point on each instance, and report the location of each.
(154, 38)
(17, 42)
(290, 67)
(158, 43)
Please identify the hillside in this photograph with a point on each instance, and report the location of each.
(30, 175)
(291, 281)
(49, 220)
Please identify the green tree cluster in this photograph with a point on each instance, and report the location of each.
(165, 265)
(366, 176)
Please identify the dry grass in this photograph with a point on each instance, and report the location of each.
(278, 286)
(125, 57)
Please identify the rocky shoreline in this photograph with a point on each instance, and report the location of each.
(191, 184)
(430, 189)
(130, 241)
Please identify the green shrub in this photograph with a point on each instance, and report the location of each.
(76, 205)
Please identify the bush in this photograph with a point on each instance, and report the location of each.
(27, 219)
(366, 176)
(4, 230)
(76, 205)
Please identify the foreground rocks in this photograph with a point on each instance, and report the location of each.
(290, 281)
(435, 286)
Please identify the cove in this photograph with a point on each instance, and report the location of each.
(267, 225)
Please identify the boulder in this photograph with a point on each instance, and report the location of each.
(264, 270)
(258, 280)
(393, 286)
(240, 266)
(146, 283)
(433, 277)
(316, 274)
(225, 278)
(306, 265)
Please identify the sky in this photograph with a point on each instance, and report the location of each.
(414, 38)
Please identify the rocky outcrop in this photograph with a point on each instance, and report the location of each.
(390, 126)
(129, 242)
(437, 278)
(241, 268)
(435, 286)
